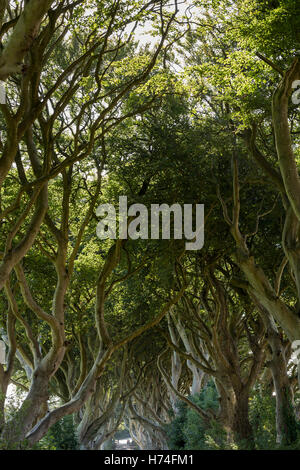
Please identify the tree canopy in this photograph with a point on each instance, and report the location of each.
(164, 102)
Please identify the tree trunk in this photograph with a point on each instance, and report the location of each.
(241, 426)
(285, 414)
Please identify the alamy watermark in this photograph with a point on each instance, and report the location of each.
(133, 222)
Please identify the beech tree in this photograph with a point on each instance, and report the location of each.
(142, 333)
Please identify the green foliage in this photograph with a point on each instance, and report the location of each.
(187, 431)
(262, 415)
(174, 134)
(61, 436)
